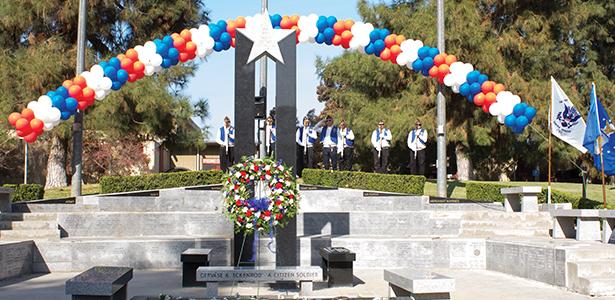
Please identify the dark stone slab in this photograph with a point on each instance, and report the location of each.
(100, 283)
(444, 200)
(155, 193)
(192, 259)
(312, 187)
(337, 254)
(244, 98)
(337, 266)
(383, 194)
(211, 187)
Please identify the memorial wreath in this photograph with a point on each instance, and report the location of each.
(260, 194)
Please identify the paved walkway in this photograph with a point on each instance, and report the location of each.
(471, 285)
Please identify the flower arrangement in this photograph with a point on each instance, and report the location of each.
(260, 195)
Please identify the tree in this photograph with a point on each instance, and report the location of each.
(518, 43)
(37, 52)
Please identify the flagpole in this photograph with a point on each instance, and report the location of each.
(602, 165)
(550, 134)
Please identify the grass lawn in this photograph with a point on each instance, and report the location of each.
(86, 189)
(456, 189)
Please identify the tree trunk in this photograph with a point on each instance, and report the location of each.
(56, 164)
(465, 170)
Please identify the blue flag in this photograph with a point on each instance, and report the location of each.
(597, 121)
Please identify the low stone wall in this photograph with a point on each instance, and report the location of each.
(15, 258)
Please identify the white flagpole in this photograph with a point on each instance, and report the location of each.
(550, 134)
(599, 140)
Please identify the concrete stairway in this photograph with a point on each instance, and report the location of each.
(29, 226)
(494, 223)
(592, 271)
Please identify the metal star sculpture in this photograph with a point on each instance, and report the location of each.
(265, 38)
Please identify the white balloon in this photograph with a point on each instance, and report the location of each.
(97, 70)
(44, 100)
(449, 80)
(501, 118)
(308, 29)
(494, 109)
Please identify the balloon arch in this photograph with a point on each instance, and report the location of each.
(145, 60)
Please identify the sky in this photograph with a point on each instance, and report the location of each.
(214, 79)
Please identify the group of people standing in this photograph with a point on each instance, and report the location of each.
(337, 145)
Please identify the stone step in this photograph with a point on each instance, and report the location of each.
(584, 268)
(353, 200)
(30, 224)
(25, 234)
(607, 253)
(79, 254)
(507, 217)
(50, 207)
(135, 224)
(28, 216)
(504, 224)
(596, 286)
(169, 200)
(385, 223)
(486, 232)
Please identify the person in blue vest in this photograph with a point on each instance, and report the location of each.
(345, 147)
(381, 142)
(270, 136)
(417, 142)
(328, 137)
(226, 139)
(305, 137)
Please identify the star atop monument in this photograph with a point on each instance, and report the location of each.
(260, 31)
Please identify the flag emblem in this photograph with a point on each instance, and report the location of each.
(569, 117)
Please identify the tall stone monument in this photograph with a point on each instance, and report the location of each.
(279, 45)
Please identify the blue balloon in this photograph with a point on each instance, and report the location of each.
(328, 42)
(464, 89)
(122, 76)
(370, 49)
(433, 52)
(470, 98)
(522, 121)
(276, 19)
(374, 36)
(417, 65)
(475, 88)
(62, 91)
(384, 33)
(103, 64)
(222, 24)
(227, 46)
(71, 104)
(472, 77)
(51, 94)
(510, 120)
(173, 53)
(482, 78)
(215, 32)
(111, 72)
(425, 72)
(116, 85)
(174, 61)
(226, 37)
(423, 52)
(166, 62)
(530, 113)
(519, 109)
(162, 49)
(379, 45)
(321, 24)
(65, 115)
(517, 130)
(58, 102)
(115, 62)
(331, 21)
(218, 46)
(329, 33)
(320, 38)
(427, 64)
(167, 39)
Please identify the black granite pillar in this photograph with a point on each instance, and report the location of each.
(244, 98)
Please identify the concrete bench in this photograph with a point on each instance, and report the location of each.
(101, 283)
(608, 224)
(581, 224)
(521, 198)
(192, 259)
(419, 284)
(214, 275)
(5, 200)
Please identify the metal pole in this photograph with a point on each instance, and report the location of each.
(441, 108)
(25, 163)
(78, 124)
(263, 83)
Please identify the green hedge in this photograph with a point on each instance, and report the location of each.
(491, 192)
(26, 192)
(408, 184)
(118, 184)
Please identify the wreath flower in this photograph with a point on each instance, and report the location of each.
(260, 195)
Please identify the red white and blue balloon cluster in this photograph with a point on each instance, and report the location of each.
(148, 59)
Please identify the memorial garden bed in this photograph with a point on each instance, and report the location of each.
(118, 184)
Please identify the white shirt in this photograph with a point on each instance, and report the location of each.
(229, 133)
(269, 132)
(327, 142)
(384, 141)
(307, 132)
(416, 145)
(344, 134)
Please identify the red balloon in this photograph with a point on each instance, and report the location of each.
(132, 54)
(80, 81)
(30, 138)
(27, 114)
(337, 40)
(390, 40)
(190, 47)
(395, 50)
(486, 107)
(488, 86)
(20, 133)
(183, 57)
(348, 24)
(13, 118)
(127, 64)
(67, 84)
(433, 72)
(439, 59)
(75, 91)
(490, 98)
(339, 27)
(87, 94)
(294, 19)
(179, 43)
(499, 88)
(241, 22)
(385, 54)
(23, 125)
(443, 70)
(82, 105)
(132, 77)
(231, 28)
(479, 99)
(346, 36)
(37, 125)
(285, 23)
(400, 39)
(450, 59)
(233, 42)
(138, 67)
(187, 35)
